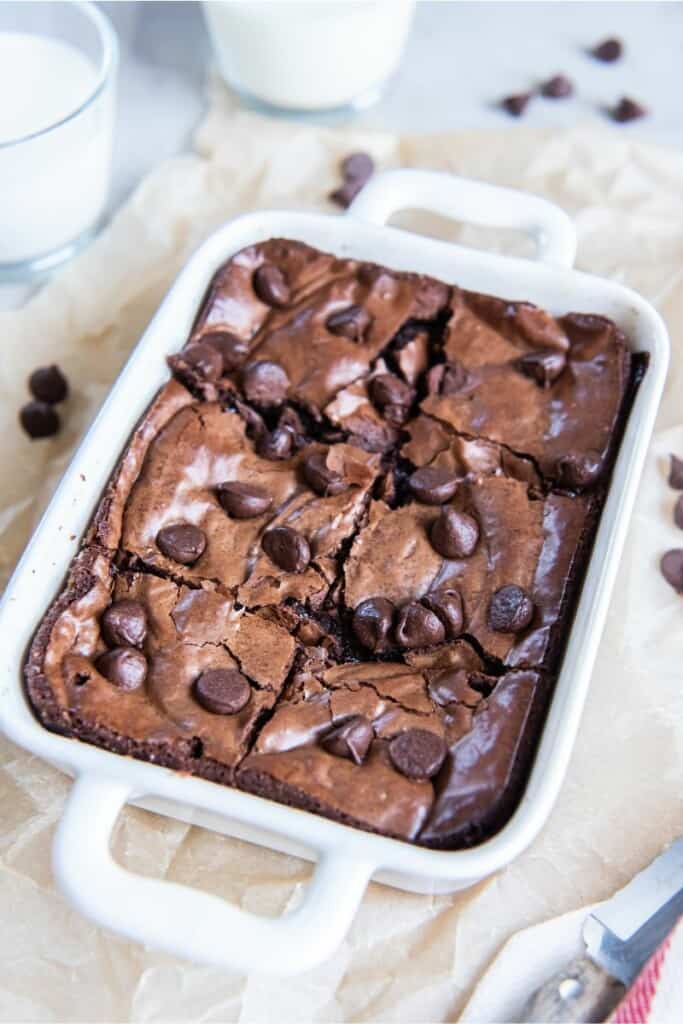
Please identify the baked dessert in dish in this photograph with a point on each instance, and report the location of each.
(337, 562)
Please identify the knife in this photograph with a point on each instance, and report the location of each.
(620, 936)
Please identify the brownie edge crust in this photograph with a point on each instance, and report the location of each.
(337, 562)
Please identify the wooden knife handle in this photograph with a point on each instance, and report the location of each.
(582, 993)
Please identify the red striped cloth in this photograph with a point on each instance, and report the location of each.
(656, 996)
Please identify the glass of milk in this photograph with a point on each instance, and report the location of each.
(57, 81)
(311, 55)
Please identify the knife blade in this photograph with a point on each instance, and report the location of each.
(620, 936)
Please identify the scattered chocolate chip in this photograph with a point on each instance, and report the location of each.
(271, 285)
(676, 473)
(453, 687)
(346, 193)
(265, 383)
(232, 350)
(222, 691)
(201, 358)
(351, 323)
(276, 444)
(243, 501)
(48, 384)
(433, 485)
(125, 667)
(447, 605)
(124, 624)
(540, 328)
(351, 739)
(671, 566)
(543, 365)
(557, 87)
(357, 166)
(183, 542)
(510, 609)
(678, 513)
(372, 621)
(417, 626)
(627, 110)
(288, 548)
(517, 104)
(577, 471)
(454, 534)
(608, 51)
(39, 419)
(447, 378)
(417, 753)
(321, 478)
(388, 389)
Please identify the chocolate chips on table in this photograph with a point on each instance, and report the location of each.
(320, 478)
(125, 667)
(417, 753)
(557, 87)
(183, 542)
(243, 501)
(454, 534)
(222, 691)
(671, 566)
(265, 383)
(356, 170)
(678, 513)
(124, 624)
(372, 621)
(510, 609)
(351, 322)
(351, 739)
(417, 626)
(271, 285)
(48, 384)
(433, 485)
(288, 548)
(608, 50)
(516, 104)
(627, 110)
(39, 419)
(676, 473)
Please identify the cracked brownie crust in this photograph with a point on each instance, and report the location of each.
(337, 562)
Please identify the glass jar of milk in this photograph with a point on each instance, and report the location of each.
(57, 80)
(311, 55)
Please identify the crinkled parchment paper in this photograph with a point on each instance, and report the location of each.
(407, 958)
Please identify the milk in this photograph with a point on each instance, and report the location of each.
(308, 55)
(53, 176)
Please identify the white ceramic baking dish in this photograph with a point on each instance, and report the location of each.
(203, 927)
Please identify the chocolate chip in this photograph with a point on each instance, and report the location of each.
(447, 605)
(433, 485)
(678, 513)
(557, 87)
(417, 753)
(510, 609)
(447, 378)
(124, 624)
(39, 419)
(608, 51)
(676, 473)
(222, 691)
(351, 739)
(346, 193)
(453, 687)
(48, 384)
(271, 285)
(232, 350)
(202, 358)
(585, 323)
(516, 104)
(671, 566)
(125, 667)
(388, 389)
(627, 110)
(265, 383)
(454, 534)
(543, 365)
(357, 166)
(417, 626)
(276, 444)
(540, 328)
(372, 621)
(321, 478)
(577, 471)
(395, 415)
(288, 548)
(183, 542)
(351, 323)
(243, 501)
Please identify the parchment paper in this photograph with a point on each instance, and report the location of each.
(407, 958)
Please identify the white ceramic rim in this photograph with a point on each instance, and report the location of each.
(164, 914)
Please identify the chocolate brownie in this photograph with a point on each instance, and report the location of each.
(337, 562)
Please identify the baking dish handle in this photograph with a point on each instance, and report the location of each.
(472, 201)
(188, 922)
